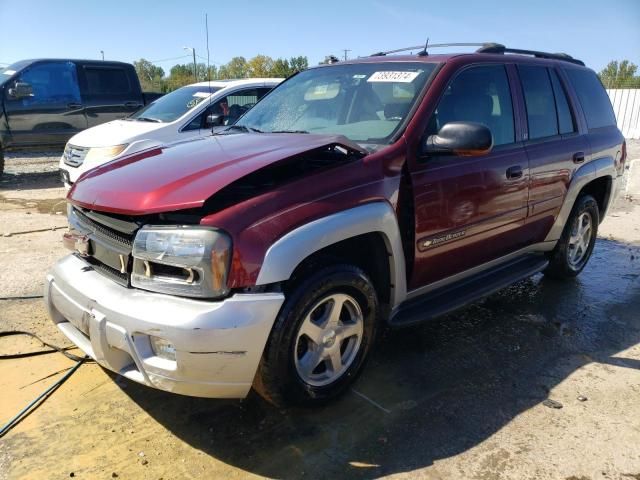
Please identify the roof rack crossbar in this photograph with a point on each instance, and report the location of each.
(501, 49)
(431, 45)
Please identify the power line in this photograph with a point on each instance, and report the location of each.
(168, 59)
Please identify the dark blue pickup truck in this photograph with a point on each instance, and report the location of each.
(45, 102)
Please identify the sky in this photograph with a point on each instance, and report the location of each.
(595, 31)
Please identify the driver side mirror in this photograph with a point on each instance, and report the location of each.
(467, 139)
(214, 120)
(20, 90)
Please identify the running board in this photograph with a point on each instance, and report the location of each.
(451, 297)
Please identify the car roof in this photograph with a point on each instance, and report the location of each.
(443, 58)
(78, 60)
(236, 82)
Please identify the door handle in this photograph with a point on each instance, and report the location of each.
(578, 157)
(74, 105)
(132, 104)
(514, 172)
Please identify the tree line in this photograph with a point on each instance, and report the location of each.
(154, 78)
(620, 75)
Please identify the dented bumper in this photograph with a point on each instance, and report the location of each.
(218, 345)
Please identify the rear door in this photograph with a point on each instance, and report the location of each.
(52, 113)
(470, 210)
(555, 147)
(108, 92)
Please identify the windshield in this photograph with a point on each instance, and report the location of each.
(365, 102)
(7, 72)
(173, 105)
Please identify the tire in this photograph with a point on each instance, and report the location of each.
(573, 251)
(306, 334)
(1, 161)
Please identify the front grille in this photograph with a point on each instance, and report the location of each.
(121, 238)
(74, 156)
(107, 271)
(110, 249)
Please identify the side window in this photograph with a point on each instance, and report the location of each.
(107, 81)
(51, 83)
(263, 91)
(240, 102)
(565, 118)
(478, 94)
(593, 97)
(539, 100)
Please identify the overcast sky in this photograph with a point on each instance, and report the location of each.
(595, 31)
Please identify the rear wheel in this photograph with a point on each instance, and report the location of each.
(574, 248)
(321, 338)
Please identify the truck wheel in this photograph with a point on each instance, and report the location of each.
(574, 248)
(320, 339)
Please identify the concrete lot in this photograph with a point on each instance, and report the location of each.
(458, 398)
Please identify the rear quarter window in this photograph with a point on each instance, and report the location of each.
(593, 98)
(107, 81)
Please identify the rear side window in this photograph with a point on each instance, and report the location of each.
(539, 100)
(565, 118)
(478, 94)
(107, 81)
(593, 97)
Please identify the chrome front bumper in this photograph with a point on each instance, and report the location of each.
(218, 344)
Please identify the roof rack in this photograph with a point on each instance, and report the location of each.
(501, 49)
(487, 47)
(429, 46)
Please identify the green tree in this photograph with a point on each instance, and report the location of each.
(260, 66)
(298, 64)
(236, 68)
(150, 75)
(281, 68)
(620, 75)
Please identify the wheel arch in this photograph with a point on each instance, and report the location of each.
(364, 229)
(596, 178)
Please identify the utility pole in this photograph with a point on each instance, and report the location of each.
(345, 50)
(102, 52)
(195, 67)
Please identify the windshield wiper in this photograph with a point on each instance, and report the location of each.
(242, 128)
(289, 131)
(148, 119)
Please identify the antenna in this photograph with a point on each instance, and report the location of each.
(424, 52)
(206, 26)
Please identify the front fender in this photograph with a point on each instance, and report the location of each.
(289, 251)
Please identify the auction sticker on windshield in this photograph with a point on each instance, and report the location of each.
(201, 94)
(404, 77)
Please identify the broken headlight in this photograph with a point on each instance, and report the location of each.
(191, 261)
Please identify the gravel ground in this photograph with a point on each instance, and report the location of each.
(539, 381)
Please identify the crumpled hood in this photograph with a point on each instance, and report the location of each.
(183, 175)
(112, 133)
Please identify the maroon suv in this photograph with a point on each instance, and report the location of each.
(382, 191)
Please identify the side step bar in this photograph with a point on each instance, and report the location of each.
(447, 299)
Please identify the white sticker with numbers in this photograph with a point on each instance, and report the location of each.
(403, 77)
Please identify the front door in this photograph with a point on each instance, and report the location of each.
(470, 210)
(52, 113)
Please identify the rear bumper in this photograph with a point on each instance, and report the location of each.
(218, 344)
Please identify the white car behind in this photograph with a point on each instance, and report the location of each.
(187, 112)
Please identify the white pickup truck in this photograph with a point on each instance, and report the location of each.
(188, 112)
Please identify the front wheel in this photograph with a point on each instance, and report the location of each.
(574, 248)
(321, 338)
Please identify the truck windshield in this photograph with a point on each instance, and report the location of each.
(365, 102)
(173, 105)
